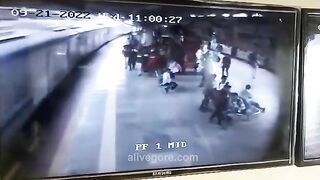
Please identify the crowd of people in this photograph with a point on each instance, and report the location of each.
(162, 58)
(224, 102)
(155, 55)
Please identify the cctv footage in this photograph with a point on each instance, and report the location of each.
(111, 87)
(311, 93)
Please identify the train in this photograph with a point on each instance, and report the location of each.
(33, 65)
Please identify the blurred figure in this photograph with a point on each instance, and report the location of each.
(219, 48)
(210, 86)
(153, 62)
(132, 59)
(134, 40)
(146, 37)
(174, 68)
(253, 62)
(248, 99)
(128, 49)
(206, 64)
(126, 53)
(207, 71)
(223, 82)
(220, 101)
(143, 57)
(213, 47)
(237, 104)
(226, 63)
(167, 82)
(213, 55)
(199, 60)
(213, 39)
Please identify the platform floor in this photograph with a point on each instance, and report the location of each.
(105, 110)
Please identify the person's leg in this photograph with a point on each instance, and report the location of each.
(214, 114)
(173, 85)
(246, 103)
(134, 64)
(139, 69)
(167, 87)
(126, 62)
(206, 98)
(202, 106)
(205, 102)
(220, 116)
(254, 71)
(202, 78)
(257, 105)
(130, 64)
(242, 106)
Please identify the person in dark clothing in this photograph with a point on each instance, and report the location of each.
(223, 82)
(237, 104)
(226, 63)
(219, 48)
(210, 87)
(253, 62)
(220, 102)
(132, 59)
(126, 51)
(207, 65)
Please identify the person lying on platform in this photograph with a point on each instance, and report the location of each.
(248, 99)
(167, 82)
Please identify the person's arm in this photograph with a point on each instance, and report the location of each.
(249, 95)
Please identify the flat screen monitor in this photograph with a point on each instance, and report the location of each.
(147, 88)
(309, 142)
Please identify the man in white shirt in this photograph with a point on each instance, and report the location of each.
(167, 81)
(166, 78)
(247, 96)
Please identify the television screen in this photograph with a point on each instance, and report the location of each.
(140, 89)
(309, 147)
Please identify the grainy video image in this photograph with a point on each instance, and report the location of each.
(88, 88)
